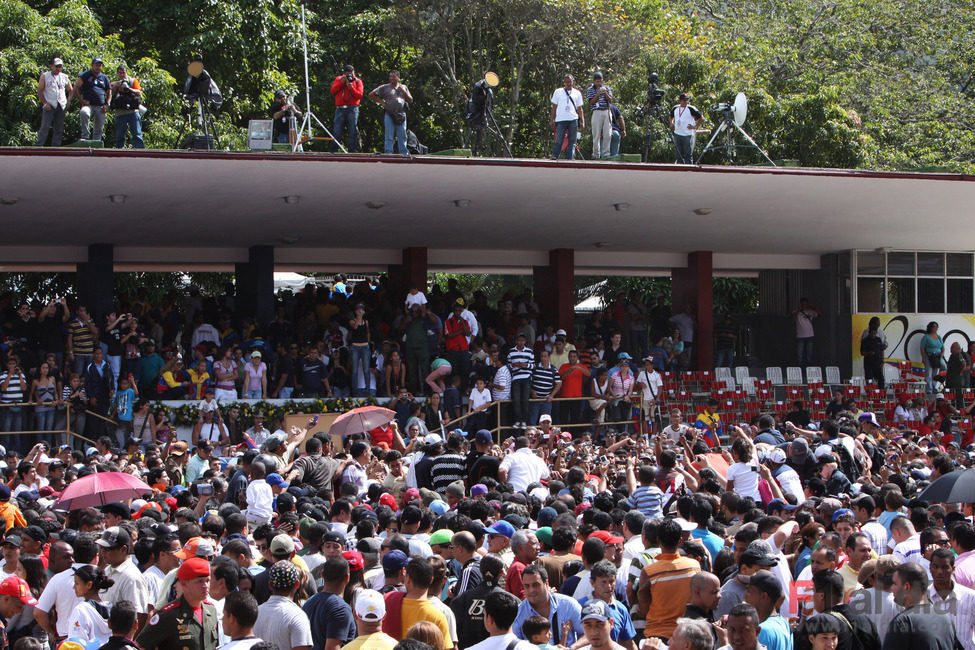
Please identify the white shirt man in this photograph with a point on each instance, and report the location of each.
(522, 468)
(59, 595)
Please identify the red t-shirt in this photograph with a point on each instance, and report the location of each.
(572, 379)
(381, 435)
(451, 325)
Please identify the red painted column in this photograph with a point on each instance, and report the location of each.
(554, 289)
(413, 270)
(693, 288)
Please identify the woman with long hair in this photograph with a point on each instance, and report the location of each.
(89, 619)
(23, 624)
(43, 394)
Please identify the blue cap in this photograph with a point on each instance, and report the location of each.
(439, 507)
(546, 516)
(176, 489)
(623, 356)
(501, 528)
(395, 560)
(842, 511)
(276, 480)
(780, 504)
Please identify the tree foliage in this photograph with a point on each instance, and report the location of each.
(833, 83)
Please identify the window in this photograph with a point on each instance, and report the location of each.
(930, 295)
(913, 282)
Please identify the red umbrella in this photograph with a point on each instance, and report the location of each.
(362, 420)
(98, 489)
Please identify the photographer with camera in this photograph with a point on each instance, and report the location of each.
(347, 89)
(684, 120)
(126, 102)
(394, 97)
(282, 112)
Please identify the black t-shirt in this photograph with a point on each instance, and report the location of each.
(113, 339)
(280, 124)
(313, 371)
(331, 618)
(94, 88)
(50, 332)
(481, 466)
(285, 366)
(468, 608)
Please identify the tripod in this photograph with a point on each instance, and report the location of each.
(491, 126)
(309, 115)
(729, 147)
(205, 118)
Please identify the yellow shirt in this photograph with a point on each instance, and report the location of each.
(415, 610)
(375, 641)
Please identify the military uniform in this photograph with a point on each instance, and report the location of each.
(175, 627)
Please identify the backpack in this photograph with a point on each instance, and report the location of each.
(848, 464)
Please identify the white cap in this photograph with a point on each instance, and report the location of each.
(822, 450)
(43, 460)
(370, 606)
(545, 418)
(684, 524)
(432, 439)
(777, 456)
(560, 333)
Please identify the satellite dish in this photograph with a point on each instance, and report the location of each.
(195, 68)
(492, 79)
(741, 108)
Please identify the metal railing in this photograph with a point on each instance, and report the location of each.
(64, 411)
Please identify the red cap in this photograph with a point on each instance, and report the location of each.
(607, 537)
(18, 588)
(171, 502)
(195, 567)
(387, 499)
(411, 494)
(356, 563)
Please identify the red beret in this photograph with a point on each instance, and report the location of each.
(195, 567)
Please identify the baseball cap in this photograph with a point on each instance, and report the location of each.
(195, 547)
(18, 588)
(432, 439)
(870, 417)
(13, 540)
(116, 508)
(369, 545)
(36, 533)
(334, 537)
(776, 456)
(546, 516)
(57, 61)
(560, 332)
(282, 545)
(839, 513)
(388, 500)
(545, 417)
(411, 515)
(438, 507)
(370, 605)
(455, 489)
(442, 536)
(395, 560)
(939, 396)
(283, 575)
(764, 581)
(276, 480)
(97, 59)
(595, 609)
(759, 552)
(483, 437)
(624, 356)
(544, 534)
(780, 504)
(478, 489)
(354, 558)
(256, 353)
(607, 537)
(114, 537)
(501, 528)
(597, 75)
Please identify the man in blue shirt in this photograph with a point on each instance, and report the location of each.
(94, 89)
(764, 592)
(603, 577)
(539, 601)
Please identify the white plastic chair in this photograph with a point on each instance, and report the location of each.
(793, 375)
(741, 374)
(833, 375)
(774, 375)
(814, 375)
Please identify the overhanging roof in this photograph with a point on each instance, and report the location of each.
(203, 210)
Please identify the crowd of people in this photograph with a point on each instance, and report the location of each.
(784, 532)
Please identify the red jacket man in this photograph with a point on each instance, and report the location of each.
(347, 90)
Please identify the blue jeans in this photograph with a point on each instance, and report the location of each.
(132, 122)
(254, 394)
(395, 132)
(724, 358)
(346, 117)
(359, 357)
(614, 145)
(44, 418)
(537, 409)
(804, 351)
(561, 128)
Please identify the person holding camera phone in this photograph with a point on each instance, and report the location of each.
(127, 104)
(347, 90)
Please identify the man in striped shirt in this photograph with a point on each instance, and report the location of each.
(647, 498)
(521, 360)
(82, 333)
(546, 383)
(450, 466)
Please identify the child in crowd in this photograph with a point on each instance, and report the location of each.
(538, 631)
(124, 399)
(479, 400)
(207, 403)
(823, 631)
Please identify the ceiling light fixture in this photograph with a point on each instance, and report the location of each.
(288, 240)
(621, 206)
(291, 200)
(375, 205)
(462, 203)
(702, 211)
(602, 244)
(117, 198)
(8, 200)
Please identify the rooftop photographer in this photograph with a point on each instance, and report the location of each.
(347, 90)
(283, 111)
(684, 120)
(127, 104)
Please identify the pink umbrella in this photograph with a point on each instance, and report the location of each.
(98, 489)
(362, 420)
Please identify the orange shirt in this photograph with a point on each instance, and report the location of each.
(670, 589)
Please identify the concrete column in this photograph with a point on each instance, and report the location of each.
(255, 284)
(554, 289)
(413, 270)
(693, 286)
(96, 283)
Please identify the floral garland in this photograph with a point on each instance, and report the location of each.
(187, 416)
